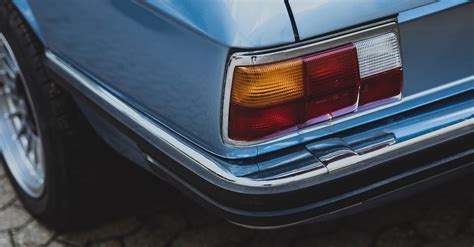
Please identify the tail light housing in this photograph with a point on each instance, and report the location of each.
(270, 99)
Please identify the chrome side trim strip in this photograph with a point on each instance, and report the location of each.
(206, 163)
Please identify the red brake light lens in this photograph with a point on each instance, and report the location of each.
(247, 124)
(331, 83)
(331, 71)
(381, 88)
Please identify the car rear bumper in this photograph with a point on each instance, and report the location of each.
(343, 170)
(360, 185)
(375, 163)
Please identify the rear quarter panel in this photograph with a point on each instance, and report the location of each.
(166, 59)
(437, 45)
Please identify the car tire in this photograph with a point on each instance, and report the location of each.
(71, 176)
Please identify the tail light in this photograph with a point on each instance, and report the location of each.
(271, 99)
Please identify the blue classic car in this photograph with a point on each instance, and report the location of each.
(268, 112)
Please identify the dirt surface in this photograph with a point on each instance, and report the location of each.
(442, 216)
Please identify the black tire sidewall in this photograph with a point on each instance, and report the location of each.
(26, 53)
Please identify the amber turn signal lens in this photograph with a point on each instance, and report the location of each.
(269, 84)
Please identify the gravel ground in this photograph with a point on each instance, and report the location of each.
(442, 216)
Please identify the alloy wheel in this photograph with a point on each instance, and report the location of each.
(20, 137)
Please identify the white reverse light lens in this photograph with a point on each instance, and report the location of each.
(378, 54)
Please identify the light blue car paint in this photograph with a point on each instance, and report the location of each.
(420, 12)
(169, 62)
(315, 18)
(242, 24)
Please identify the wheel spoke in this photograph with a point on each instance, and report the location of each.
(36, 152)
(6, 91)
(22, 131)
(29, 144)
(6, 80)
(7, 69)
(14, 114)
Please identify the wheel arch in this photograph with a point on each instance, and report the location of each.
(26, 12)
